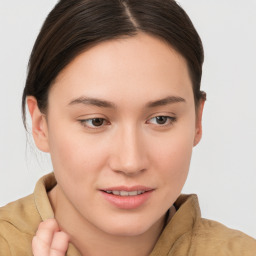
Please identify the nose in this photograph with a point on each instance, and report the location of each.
(129, 154)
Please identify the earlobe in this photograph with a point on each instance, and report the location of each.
(39, 125)
(199, 114)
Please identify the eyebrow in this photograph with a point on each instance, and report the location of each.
(93, 101)
(107, 104)
(165, 101)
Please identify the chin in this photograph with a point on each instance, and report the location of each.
(127, 231)
(131, 226)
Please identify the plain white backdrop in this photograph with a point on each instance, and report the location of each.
(223, 167)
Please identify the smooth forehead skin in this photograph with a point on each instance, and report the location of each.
(125, 66)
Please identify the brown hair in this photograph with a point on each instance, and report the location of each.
(75, 25)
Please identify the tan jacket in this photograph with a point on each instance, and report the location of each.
(186, 234)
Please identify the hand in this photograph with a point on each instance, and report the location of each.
(49, 240)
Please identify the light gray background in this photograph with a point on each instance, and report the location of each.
(223, 168)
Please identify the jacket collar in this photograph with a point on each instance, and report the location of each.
(184, 221)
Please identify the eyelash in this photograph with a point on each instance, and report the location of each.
(85, 122)
(170, 120)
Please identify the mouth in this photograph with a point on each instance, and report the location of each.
(127, 197)
(125, 193)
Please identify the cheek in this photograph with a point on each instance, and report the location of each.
(77, 161)
(76, 155)
(176, 162)
(172, 159)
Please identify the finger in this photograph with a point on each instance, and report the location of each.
(41, 243)
(46, 231)
(59, 244)
(39, 247)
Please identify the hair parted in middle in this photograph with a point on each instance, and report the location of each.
(74, 26)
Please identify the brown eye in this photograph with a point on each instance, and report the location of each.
(93, 122)
(97, 121)
(161, 119)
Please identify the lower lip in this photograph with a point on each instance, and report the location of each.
(127, 202)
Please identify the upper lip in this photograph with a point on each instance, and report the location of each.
(126, 188)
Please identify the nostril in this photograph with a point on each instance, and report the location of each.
(130, 172)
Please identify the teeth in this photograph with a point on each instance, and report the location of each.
(125, 193)
(133, 193)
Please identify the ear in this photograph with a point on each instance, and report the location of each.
(39, 125)
(199, 114)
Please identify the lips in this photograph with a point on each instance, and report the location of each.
(126, 188)
(125, 193)
(127, 197)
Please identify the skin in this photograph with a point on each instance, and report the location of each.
(130, 147)
(50, 240)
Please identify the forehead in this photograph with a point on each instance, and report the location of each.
(130, 67)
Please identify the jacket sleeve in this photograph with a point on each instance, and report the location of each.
(4, 248)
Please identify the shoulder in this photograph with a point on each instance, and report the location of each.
(21, 215)
(19, 220)
(18, 224)
(187, 233)
(217, 239)
(4, 247)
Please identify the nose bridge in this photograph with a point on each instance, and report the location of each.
(130, 152)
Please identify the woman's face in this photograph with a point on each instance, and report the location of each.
(121, 121)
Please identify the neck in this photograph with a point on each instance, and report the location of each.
(91, 241)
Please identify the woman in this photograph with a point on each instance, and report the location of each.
(113, 91)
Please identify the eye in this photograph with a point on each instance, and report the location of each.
(162, 120)
(94, 122)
